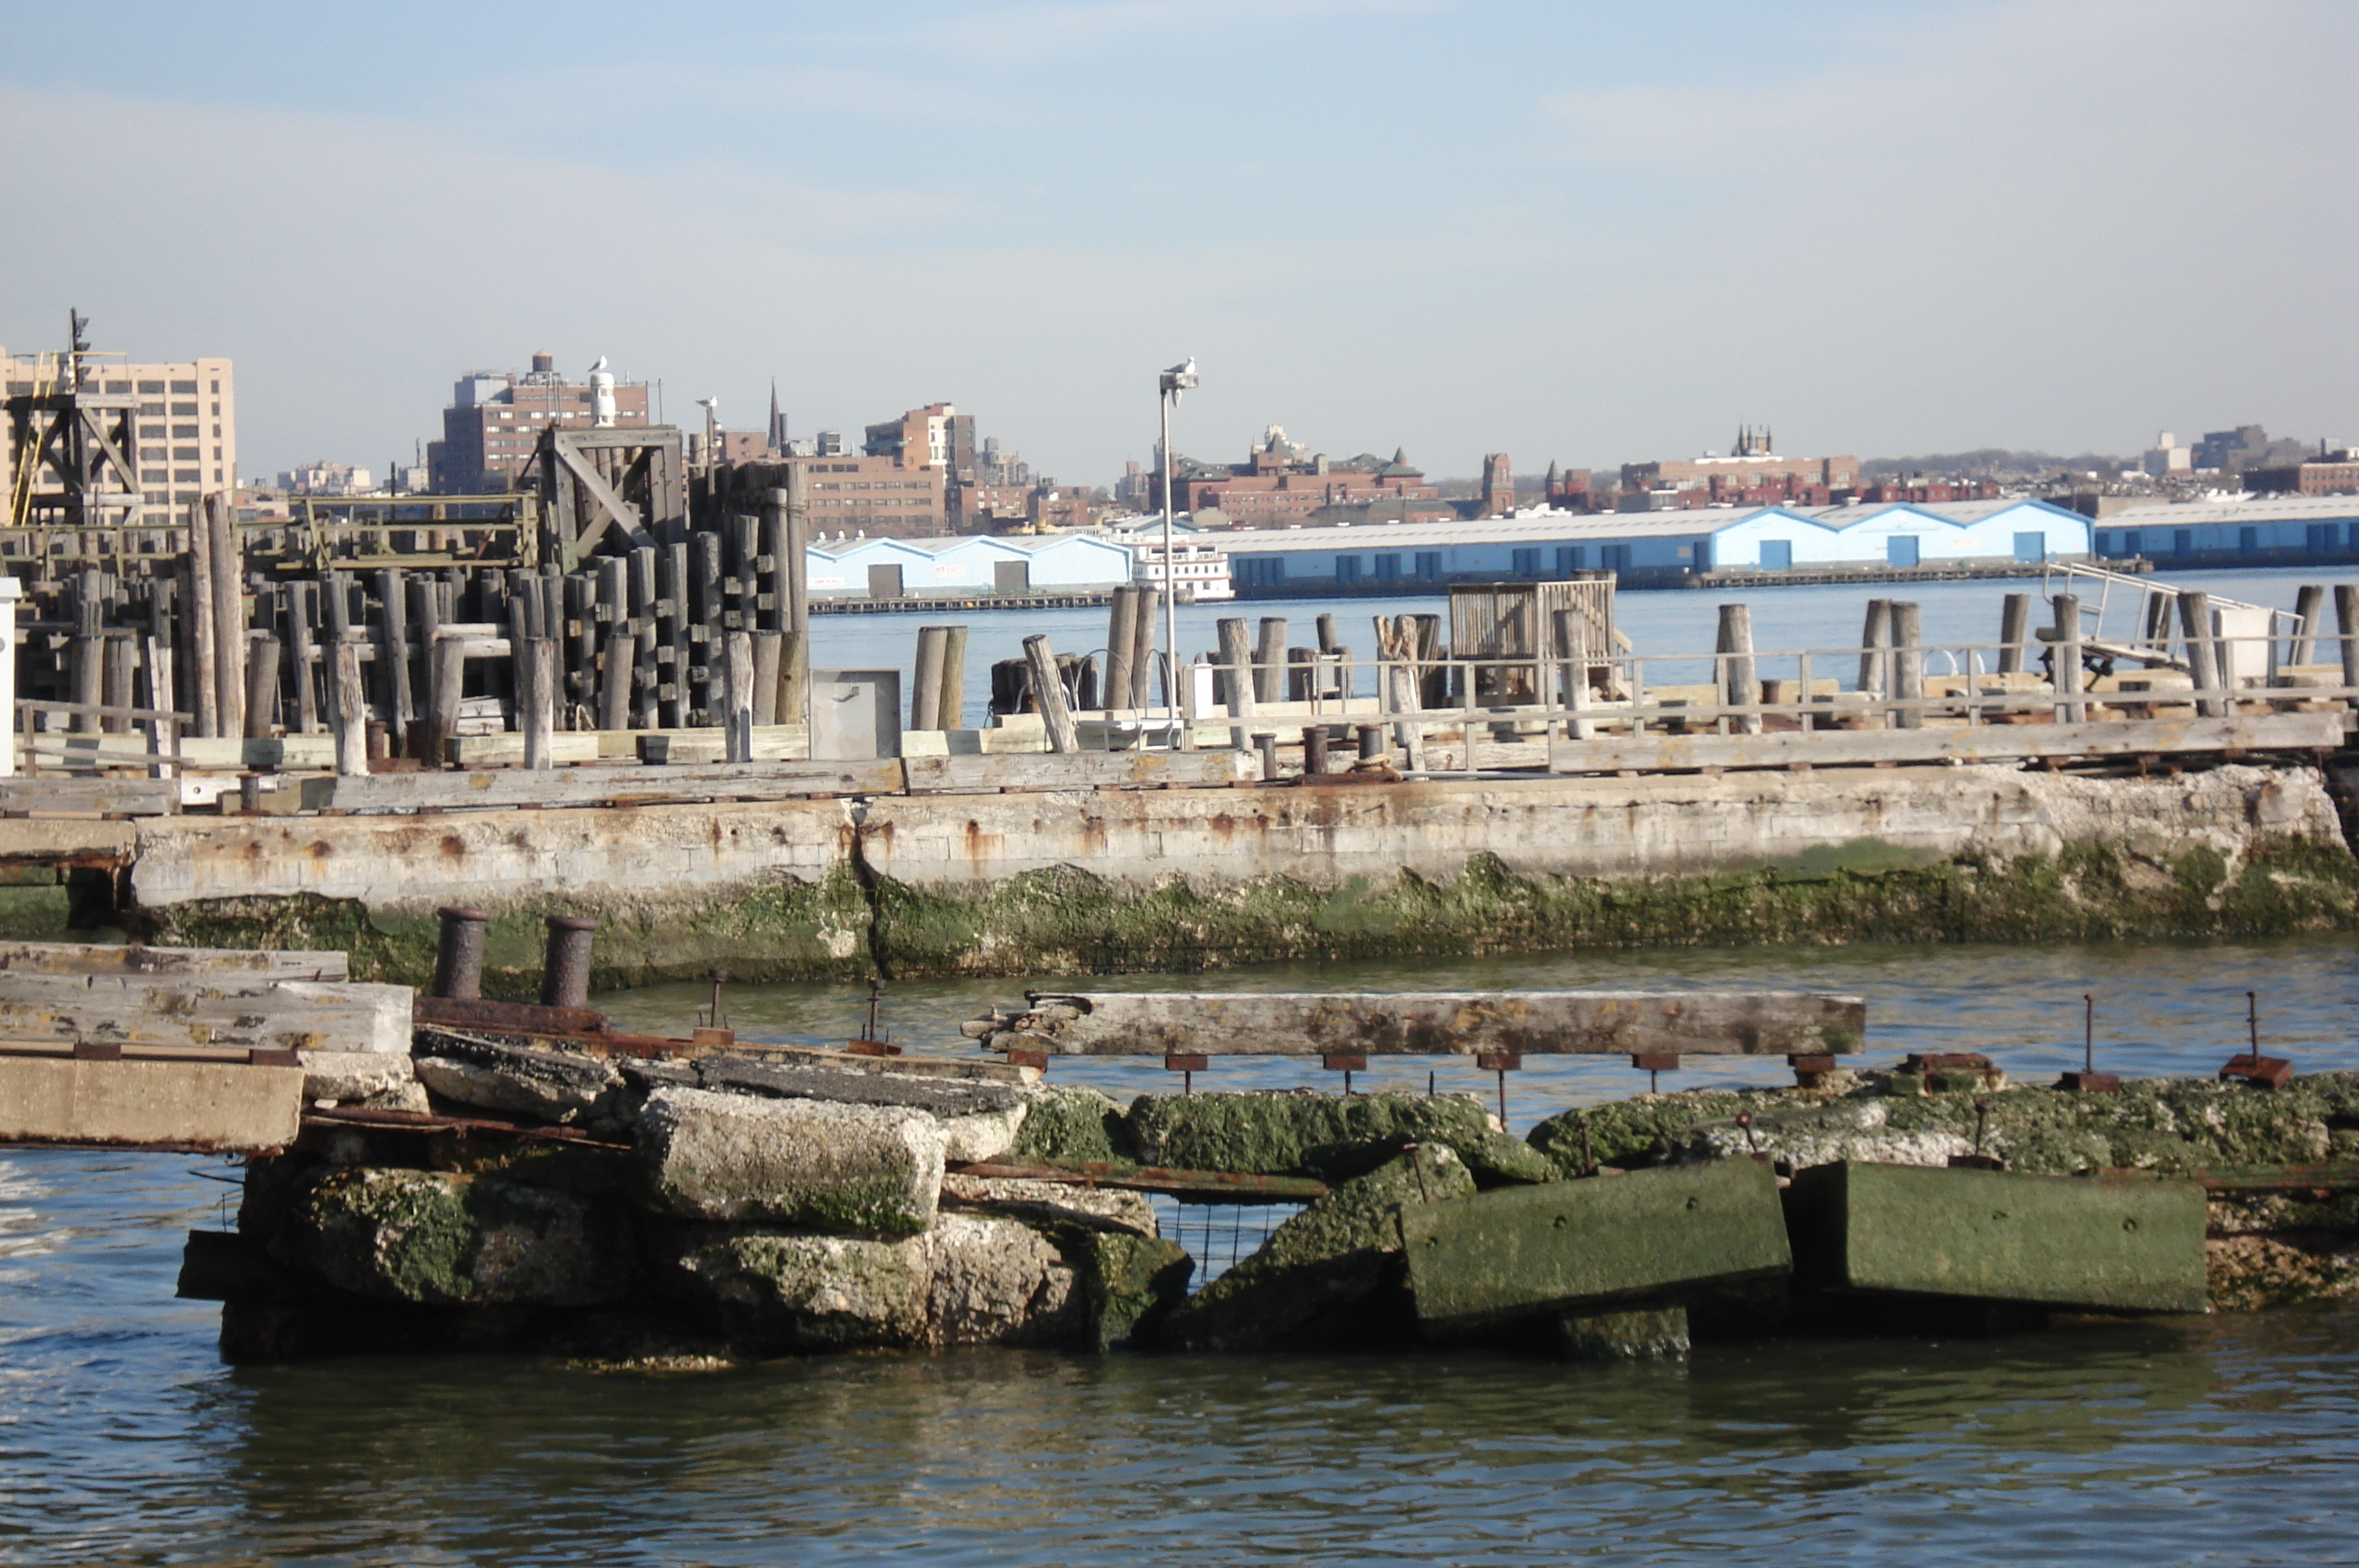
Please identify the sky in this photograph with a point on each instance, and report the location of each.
(1580, 231)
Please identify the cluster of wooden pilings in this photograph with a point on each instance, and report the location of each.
(407, 634)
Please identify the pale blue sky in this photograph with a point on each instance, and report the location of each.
(1582, 232)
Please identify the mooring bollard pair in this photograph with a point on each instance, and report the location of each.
(565, 964)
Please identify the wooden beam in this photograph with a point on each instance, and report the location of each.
(238, 1012)
(1979, 742)
(1437, 1023)
(617, 513)
(118, 797)
(131, 958)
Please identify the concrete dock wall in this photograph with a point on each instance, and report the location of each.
(1145, 879)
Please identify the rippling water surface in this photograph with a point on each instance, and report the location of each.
(2229, 1439)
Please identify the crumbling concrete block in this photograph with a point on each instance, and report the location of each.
(1311, 1283)
(1069, 1121)
(1101, 1208)
(2046, 1241)
(436, 1239)
(347, 1076)
(542, 1082)
(856, 1168)
(1610, 1240)
(216, 1104)
(968, 1280)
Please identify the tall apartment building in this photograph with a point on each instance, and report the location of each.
(875, 495)
(935, 436)
(186, 425)
(496, 418)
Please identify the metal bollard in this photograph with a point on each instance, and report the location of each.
(1268, 745)
(1372, 742)
(458, 954)
(565, 970)
(1314, 749)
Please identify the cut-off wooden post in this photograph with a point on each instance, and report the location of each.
(2346, 627)
(536, 670)
(1875, 640)
(2014, 627)
(2309, 609)
(2203, 661)
(351, 711)
(449, 684)
(2065, 646)
(1908, 667)
(954, 709)
(1738, 688)
(1049, 690)
(1236, 655)
(1122, 646)
(1142, 652)
(926, 686)
(259, 709)
(1269, 662)
(737, 696)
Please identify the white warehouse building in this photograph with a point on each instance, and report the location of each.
(967, 563)
(1541, 544)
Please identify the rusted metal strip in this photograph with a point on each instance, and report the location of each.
(1233, 1185)
(526, 1017)
(428, 1122)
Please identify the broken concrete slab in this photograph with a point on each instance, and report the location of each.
(1100, 1208)
(434, 1237)
(969, 1279)
(944, 1097)
(2062, 1242)
(1072, 1122)
(855, 1169)
(1521, 1251)
(1130, 1284)
(350, 1076)
(545, 1084)
(200, 1104)
(1311, 1282)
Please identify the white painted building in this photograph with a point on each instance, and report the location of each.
(969, 563)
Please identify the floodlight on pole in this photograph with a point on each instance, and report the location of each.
(1173, 382)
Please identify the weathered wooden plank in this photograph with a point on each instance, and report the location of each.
(1072, 770)
(123, 797)
(601, 785)
(67, 842)
(214, 1010)
(1986, 743)
(174, 1105)
(131, 958)
(1431, 1023)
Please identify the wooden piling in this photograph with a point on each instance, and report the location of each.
(737, 696)
(226, 574)
(259, 710)
(299, 615)
(954, 709)
(926, 681)
(767, 647)
(1236, 656)
(2309, 608)
(351, 710)
(196, 575)
(450, 685)
(2064, 645)
(1122, 637)
(1269, 662)
(425, 598)
(536, 699)
(2346, 626)
(2014, 631)
(393, 611)
(2204, 654)
(1142, 653)
(1908, 666)
(1049, 690)
(1738, 689)
(1875, 645)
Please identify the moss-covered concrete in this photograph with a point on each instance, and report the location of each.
(1066, 1122)
(1064, 919)
(1310, 1283)
(1303, 1132)
(442, 1239)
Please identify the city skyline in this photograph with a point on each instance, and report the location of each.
(1566, 233)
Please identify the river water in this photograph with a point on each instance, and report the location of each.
(2229, 1439)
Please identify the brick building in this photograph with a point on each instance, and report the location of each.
(1751, 468)
(1280, 484)
(494, 421)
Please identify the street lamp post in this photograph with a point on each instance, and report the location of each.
(1172, 381)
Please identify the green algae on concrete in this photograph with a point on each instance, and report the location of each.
(1067, 1122)
(1607, 1241)
(1303, 1132)
(1065, 920)
(438, 1238)
(1129, 1283)
(1655, 1333)
(2058, 1242)
(1309, 1284)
